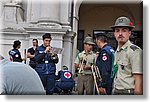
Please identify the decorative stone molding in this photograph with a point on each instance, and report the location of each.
(49, 25)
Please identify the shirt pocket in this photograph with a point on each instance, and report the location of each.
(125, 67)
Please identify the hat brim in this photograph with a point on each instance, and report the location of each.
(113, 27)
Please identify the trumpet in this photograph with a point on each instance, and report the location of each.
(53, 56)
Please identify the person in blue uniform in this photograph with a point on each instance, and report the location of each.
(46, 64)
(65, 81)
(104, 62)
(14, 54)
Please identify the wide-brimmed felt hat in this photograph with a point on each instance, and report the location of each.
(123, 22)
(89, 40)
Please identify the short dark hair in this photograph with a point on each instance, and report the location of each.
(46, 35)
(16, 44)
(102, 38)
(35, 40)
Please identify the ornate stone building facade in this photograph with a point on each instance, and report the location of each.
(27, 19)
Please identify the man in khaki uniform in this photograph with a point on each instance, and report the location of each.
(128, 79)
(83, 63)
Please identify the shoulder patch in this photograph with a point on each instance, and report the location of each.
(104, 58)
(134, 47)
(111, 50)
(67, 75)
(12, 52)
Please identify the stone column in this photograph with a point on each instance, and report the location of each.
(33, 11)
(49, 11)
(64, 11)
(68, 50)
(77, 4)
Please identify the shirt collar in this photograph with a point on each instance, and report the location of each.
(104, 46)
(88, 53)
(125, 46)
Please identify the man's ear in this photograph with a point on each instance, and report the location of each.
(129, 33)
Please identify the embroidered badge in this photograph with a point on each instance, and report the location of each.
(104, 58)
(41, 51)
(67, 75)
(17, 55)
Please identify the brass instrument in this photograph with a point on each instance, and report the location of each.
(82, 65)
(53, 56)
(97, 77)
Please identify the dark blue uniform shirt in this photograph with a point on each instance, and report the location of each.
(15, 55)
(104, 63)
(45, 64)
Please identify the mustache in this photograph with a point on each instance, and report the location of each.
(120, 36)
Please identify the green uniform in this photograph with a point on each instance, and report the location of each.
(85, 78)
(129, 61)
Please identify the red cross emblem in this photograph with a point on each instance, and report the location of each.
(11, 59)
(104, 58)
(67, 75)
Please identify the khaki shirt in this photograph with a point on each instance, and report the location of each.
(89, 58)
(129, 60)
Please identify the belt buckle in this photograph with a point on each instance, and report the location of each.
(129, 91)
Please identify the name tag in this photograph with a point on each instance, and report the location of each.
(41, 51)
(46, 61)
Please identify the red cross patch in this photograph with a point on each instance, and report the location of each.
(104, 58)
(67, 75)
(11, 59)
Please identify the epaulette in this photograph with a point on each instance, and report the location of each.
(134, 47)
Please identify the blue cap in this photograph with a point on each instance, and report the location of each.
(65, 68)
